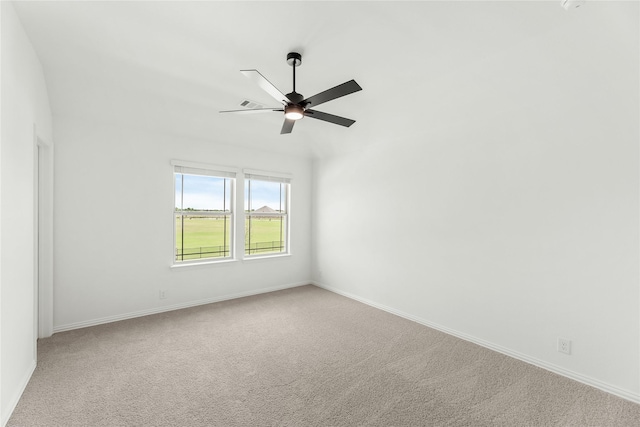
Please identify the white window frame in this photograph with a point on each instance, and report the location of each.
(282, 178)
(203, 169)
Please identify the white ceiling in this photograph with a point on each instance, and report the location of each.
(171, 66)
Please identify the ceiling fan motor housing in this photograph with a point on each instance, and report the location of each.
(295, 98)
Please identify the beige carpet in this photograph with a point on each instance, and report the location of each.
(299, 357)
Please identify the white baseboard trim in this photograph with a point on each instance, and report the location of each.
(141, 313)
(18, 394)
(625, 394)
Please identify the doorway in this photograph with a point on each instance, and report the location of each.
(43, 237)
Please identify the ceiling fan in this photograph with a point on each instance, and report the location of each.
(294, 105)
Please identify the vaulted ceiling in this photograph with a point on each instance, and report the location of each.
(170, 67)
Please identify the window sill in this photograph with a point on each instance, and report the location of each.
(265, 257)
(203, 263)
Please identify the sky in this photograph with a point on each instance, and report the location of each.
(207, 192)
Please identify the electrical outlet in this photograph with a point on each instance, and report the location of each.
(162, 295)
(564, 345)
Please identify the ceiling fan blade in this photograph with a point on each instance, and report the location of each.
(260, 80)
(287, 126)
(342, 121)
(333, 93)
(252, 110)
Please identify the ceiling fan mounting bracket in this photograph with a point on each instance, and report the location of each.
(294, 59)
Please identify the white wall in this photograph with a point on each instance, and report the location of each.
(510, 215)
(114, 226)
(24, 105)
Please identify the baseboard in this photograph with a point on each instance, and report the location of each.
(625, 394)
(141, 313)
(16, 397)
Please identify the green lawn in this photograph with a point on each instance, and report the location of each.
(209, 234)
(265, 235)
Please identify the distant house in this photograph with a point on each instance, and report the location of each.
(266, 210)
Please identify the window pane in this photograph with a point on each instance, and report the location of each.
(204, 193)
(264, 235)
(203, 217)
(200, 237)
(266, 222)
(265, 196)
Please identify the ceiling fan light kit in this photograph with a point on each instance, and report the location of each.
(293, 112)
(294, 105)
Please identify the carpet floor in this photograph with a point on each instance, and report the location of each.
(297, 357)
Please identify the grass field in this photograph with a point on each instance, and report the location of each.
(210, 233)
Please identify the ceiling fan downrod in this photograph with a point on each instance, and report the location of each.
(294, 59)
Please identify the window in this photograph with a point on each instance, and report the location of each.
(266, 214)
(203, 214)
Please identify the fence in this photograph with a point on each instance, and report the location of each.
(183, 254)
(264, 247)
